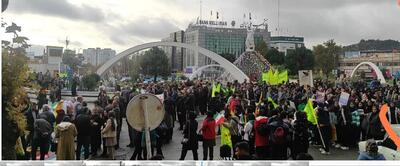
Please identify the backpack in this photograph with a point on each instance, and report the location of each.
(279, 134)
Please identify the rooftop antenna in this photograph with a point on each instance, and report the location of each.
(66, 42)
(201, 10)
(278, 16)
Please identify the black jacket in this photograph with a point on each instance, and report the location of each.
(48, 116)
(374, 128)
(190, 132)
(42, 127)
(83, 125)
(30, 118)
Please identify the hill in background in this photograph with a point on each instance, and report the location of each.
(370, 44)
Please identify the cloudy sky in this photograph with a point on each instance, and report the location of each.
(120, 24)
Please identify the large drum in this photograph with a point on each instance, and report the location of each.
(136, 112)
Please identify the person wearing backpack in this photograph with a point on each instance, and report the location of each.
(300, 142)
(279, 137)
(249, 132)
(41, 137)
(232, 122)
(261, 136)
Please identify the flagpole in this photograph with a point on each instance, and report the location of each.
(319, 130)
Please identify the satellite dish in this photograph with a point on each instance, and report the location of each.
(137, 108)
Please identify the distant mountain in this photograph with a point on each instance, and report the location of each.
(370, 44)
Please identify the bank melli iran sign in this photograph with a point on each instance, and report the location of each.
(206, 22)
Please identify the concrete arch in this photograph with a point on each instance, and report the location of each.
(228, 66)
(200, 69)
(374, 67)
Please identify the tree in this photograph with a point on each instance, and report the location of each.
(262, 48)
(275, 57)
(327, 56)
(230, 57)
(299, 59)
(134, 70)
(90, 81)
(70, 59)
(14, 98)
(154, 62)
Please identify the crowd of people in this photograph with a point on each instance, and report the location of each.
(259, 121)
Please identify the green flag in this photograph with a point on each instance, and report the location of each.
(265, 77)
(274, 80)
(269, 76)
(309, 109)
(273, 102)
(283, 77)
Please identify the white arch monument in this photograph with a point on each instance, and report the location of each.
(228, 66)
(200, 69)
(374, 67)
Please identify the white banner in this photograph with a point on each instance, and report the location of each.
(344, 98)
(306, 78)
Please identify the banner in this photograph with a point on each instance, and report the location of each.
(306, 78)
(320, 97)
(344, 98)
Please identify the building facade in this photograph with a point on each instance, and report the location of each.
(220, 40)
(284, 43)
(388, 61)
(175, 55)
(50, 62)
(97, 56)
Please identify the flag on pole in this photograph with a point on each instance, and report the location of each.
(274, 80)
(283, 77)
(219, 118)
(269, 76)
(265, 77)
(309, 109)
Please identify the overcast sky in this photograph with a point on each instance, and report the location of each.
(120, 24)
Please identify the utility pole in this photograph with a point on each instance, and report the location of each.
(392, 72)
(278, 16)
(201, 9)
